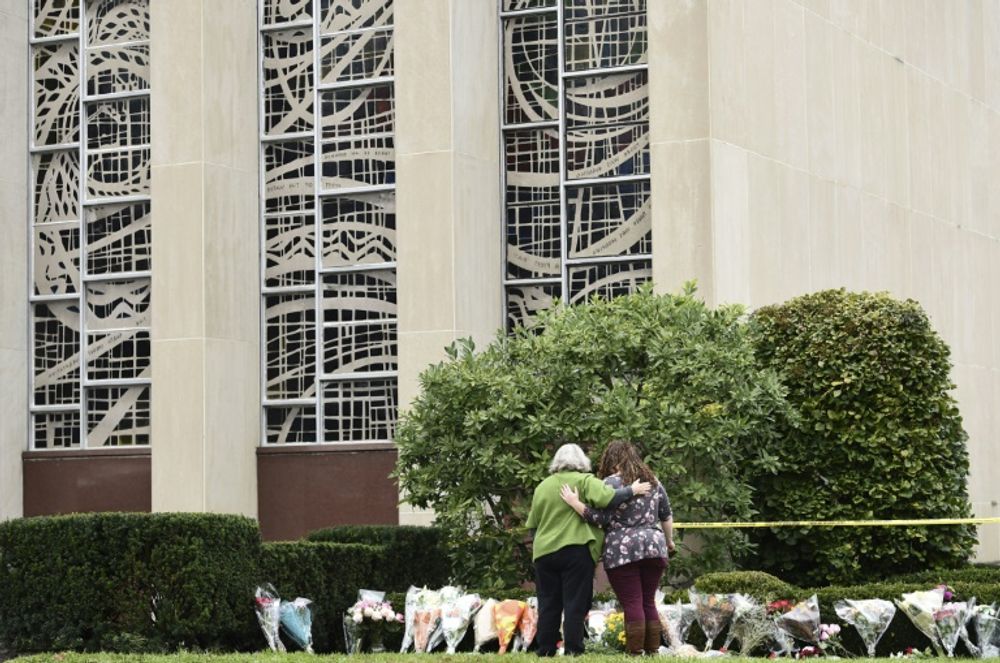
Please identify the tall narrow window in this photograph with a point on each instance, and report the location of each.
(328, 223)
(575, 126)
(90, 223)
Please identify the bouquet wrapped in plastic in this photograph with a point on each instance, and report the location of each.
(456, 615)
(447, 594)
(869, 617)
(506, 617)
(751, 625)
(409, 617)
(986, 624)
(713, 612)
(426, 619)
(483, 626)
(675, 620)
(802, 621)
(920, 608)
(597, 621)
(783, 643)
(528, 627)
(296, 620)
(950, 621)
(267, 605)
(368, 619)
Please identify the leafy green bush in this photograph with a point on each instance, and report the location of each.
(413, 555)
(90, 582)
(667, 372)
(880, 438)
(328, 574)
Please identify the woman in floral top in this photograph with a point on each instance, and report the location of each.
(638, 537)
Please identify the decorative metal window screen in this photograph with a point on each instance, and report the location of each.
(575, 125)
(328, 221)
(90, 223)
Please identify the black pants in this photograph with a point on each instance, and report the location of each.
(564, 582)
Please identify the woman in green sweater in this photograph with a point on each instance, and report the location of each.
(566, 548)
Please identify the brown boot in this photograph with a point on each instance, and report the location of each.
(635, 637)
(653, 637)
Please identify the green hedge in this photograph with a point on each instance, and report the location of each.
(901, 633)
(949, 576)
(413, 555)
(91, 582)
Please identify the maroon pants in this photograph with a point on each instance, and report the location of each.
(635, 584)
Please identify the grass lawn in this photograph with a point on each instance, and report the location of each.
(361, 658)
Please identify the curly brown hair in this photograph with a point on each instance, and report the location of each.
(621, 457)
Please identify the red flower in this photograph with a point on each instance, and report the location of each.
(781, 606)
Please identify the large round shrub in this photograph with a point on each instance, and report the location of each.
(674, 376)
(880, 438)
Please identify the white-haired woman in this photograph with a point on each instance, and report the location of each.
(566, 548)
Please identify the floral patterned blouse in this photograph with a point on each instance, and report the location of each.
(632, 530)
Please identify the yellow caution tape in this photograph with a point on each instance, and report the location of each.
(843, 523)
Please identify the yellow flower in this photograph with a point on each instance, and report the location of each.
(621, 637)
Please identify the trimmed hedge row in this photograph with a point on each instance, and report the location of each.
(417, 554)
(901, 633)
(162, 582)
(127, 582)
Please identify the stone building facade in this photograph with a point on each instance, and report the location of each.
(235, 231)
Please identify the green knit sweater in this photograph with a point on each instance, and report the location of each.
(556, 524)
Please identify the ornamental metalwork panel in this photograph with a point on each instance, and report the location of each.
(328, 221)
(575, 141)
(91, 232)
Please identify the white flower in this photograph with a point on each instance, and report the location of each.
(357, 618)
(387, 613)
(368, 612)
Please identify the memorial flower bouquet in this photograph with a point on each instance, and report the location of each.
(950, 621)
(613, 635)
(829, 641)
(751, 625)
(456, 615)
(506, 617)
(713, 612)
(920, 608)
(783, 642)
(676, 620)
(986, 623)
(528, 627)
(427, 619)
(296, 620)
(368, 620)
(597, 622)
(483, 627)
(801, 622)
(869, 617)
(267, 605)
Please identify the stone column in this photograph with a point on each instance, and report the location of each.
(205, 347)
(448, 173)
(679, 143)
(14, 356)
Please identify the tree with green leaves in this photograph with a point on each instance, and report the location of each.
(880, 437)
(677, 378)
